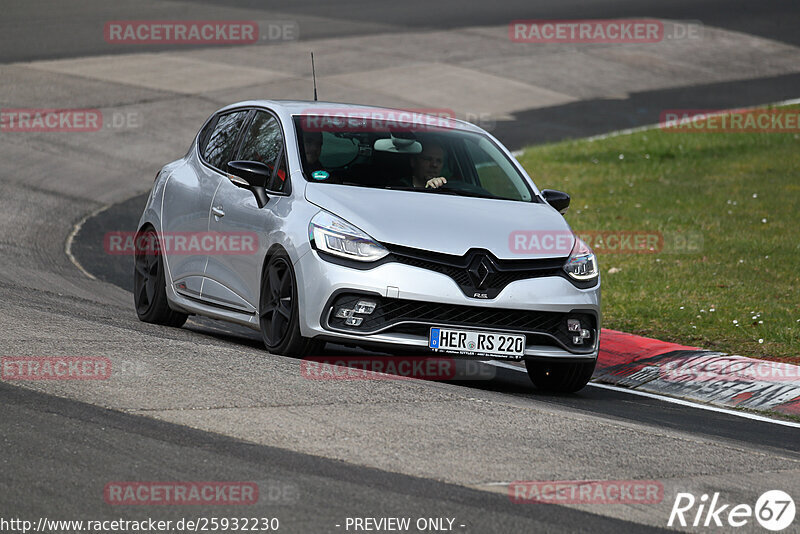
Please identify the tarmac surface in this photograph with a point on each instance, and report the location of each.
(206, 402)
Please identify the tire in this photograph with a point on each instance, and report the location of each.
(560, 377)
(149, 283)
(278, 310)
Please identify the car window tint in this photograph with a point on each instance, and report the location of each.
(263, 141)
(337, 151)
(219, 148)
(349, 154)
(278, 181)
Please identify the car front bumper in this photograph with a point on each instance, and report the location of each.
(534, 306)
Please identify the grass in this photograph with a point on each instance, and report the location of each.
(728, 206)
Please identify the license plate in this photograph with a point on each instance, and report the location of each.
(472, 343)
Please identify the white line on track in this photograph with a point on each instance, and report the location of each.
(71, 238)
(628, 131)
(671, 400)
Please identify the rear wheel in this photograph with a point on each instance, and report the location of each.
(149, 283)
(561, 377)
(278, 310)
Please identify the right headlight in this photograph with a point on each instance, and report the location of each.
(582, 263)
(336, 236)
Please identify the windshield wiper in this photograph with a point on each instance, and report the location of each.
(446, 191)
(460, 192)
(437, 190)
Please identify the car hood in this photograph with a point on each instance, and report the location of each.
(447, 223)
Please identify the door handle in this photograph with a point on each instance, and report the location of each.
(217, 211)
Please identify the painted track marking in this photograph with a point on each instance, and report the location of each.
(672, 400)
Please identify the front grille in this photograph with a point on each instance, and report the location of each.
(478, 272)
(416, 317)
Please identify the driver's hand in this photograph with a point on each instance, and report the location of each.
(436, 182)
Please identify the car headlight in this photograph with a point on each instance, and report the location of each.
(336, 236)
(582, 263)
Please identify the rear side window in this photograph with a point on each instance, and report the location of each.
(205, 133)
(264, 142)
(219, 147)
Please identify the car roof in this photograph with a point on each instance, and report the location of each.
(310, 107)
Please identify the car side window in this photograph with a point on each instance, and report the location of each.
(263, 142)
(278, 182)
(491, 174)
(219, 148)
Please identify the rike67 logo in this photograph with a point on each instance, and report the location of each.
(774, 510)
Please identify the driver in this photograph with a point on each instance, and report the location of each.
(312, 145)
(426, 167)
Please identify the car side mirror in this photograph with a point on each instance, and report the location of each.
(252, 175)
(558, 199)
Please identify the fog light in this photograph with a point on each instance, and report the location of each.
(584, 334)
(353, 321)
(573, 325)
(351, 315)
(365, 306)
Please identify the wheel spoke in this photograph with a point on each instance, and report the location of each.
(286, 285)
(274, 279)
(268, 331)
(153, 267)
(150, 287)
(267, 309)
(142, 269)
(279, 325)
(142, 294)
(285, 308)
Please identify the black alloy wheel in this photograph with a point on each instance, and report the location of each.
(279, 316)
(149, 282)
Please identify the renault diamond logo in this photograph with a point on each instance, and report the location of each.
(480, 270)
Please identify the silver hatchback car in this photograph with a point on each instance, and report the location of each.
(318, 222)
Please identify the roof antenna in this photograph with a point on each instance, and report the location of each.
(314, 76)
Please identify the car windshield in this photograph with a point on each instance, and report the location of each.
(354, 152)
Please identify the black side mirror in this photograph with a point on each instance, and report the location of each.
(558, 199)
(252, 175)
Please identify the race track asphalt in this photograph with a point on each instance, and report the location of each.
(206, 402)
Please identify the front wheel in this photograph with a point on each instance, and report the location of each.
(149, 283)
(278, 310)
(560, 377)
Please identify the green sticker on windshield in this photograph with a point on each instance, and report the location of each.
(320, 175)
